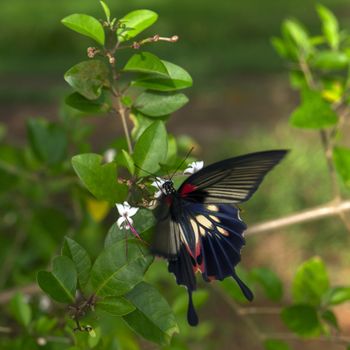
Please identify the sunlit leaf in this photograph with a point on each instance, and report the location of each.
(88, 78)
(134, 23)
(100, 179)
(158, 104)
(178, 79)
(314, 112)
(97, 209)
(106, 10)
(151, 148)
(341, 158)
(310, 282)
(153, 317)
(146, 62)
(85, 25)
(20, 309)
(329, 26)
(328, 60)
(337, 295)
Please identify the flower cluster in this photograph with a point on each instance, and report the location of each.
(126, 211)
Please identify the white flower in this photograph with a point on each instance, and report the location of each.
(194, 167)
(125, 212)
(159, 185)
(109, 155)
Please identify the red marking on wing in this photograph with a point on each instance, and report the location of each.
(169, 200)
(188, 188)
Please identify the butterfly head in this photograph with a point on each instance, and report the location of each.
(168, 187)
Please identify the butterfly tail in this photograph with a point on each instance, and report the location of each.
(182, 268)
(244, 288)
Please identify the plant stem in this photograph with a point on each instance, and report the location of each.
(332, 208)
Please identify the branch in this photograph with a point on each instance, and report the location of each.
(29, 289)
(330, 209)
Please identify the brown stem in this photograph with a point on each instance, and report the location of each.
(331, 209)
(121, 111)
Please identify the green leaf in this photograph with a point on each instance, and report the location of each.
(153, 318)
(141, 123)
(158, 104)
(106, 10)
(297, 34)
(99, 179)
(178, 79)
(48, 140)
(314, 112)
(79, 102)
(329, 317)
(116, 306)
(88, 78)
(151, 148)
(145, 62)
(329, 60)
(271, 283)
(280, 47)
(143, 222)
(337, 295)
(61, 283)
(119, 268)
(80, 257)
(302, 320)
(172, 150)
(329, 26)
(275, 344)
(310, 282)
(124, 159)
(20, 309)
(85, 25)
(341, 158)
(134, 23)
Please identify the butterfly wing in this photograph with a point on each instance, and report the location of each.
(208, 229)
(232, 180)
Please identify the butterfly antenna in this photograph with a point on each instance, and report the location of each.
(183, 161)
(136, 166)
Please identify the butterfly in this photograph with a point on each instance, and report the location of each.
(199, 228)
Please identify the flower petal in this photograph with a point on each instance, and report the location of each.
(120, 208)
(120, 221)
(132, 211)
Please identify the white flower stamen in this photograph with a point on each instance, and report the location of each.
(194, 167)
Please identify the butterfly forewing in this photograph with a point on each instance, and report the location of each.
(232, 180)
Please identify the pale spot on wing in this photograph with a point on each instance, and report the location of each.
(196, 229)
(213, 207)
(204, 221)
(222, 231)
(214, 218)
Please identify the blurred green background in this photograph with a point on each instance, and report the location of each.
(240, 102)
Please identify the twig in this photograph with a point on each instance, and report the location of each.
(330, 209)
(122, 113)
(29, 289)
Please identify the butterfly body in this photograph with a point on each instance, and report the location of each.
(199, 227)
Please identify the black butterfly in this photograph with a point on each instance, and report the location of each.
(199, 228)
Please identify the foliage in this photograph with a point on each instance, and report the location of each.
(103, 295)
